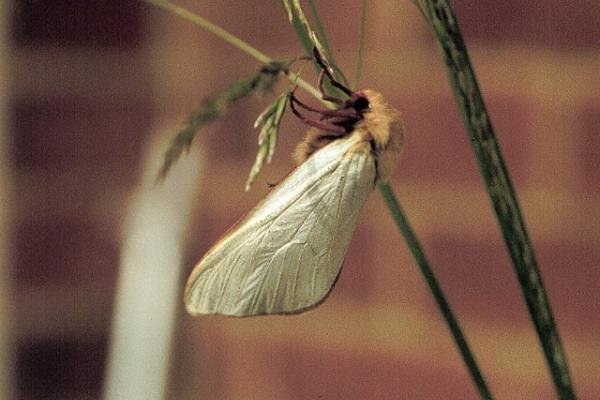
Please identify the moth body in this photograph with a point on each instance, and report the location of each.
(381, 127)
(286, 254)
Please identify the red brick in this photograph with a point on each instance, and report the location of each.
(200, 369)
(60, 367)
(588, 146)
(570, 273)
(64, 251)
(394, 279)
(263, 25)
(478, 278)
(233, 136)
(437, 147)
(341, 24)
(105, 23)
(356, 278)
(556, 23)
(310, 374)
(61, 134)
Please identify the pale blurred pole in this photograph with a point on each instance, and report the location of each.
(148, 292)
(6, 211)
(149, 295)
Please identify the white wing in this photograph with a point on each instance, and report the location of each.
(286, 254)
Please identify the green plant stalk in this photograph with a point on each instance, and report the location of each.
(303, 30)
(386, 191)
(406, 230)
(214, 107)
(231, 39)
(323, 36)
(321, 30)
(441, 18)
(361, 44)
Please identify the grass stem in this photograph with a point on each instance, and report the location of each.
(441, 18)
(361, 44)
(232, 40)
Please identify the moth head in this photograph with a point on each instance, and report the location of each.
(359, 102)
(334, 122)
(364, 112)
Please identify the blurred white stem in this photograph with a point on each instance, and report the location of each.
(148, 291)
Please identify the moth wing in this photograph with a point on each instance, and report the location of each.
(286, 254)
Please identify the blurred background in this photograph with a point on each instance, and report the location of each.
(91, 94)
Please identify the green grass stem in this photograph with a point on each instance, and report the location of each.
(441, 18)
(231, 39)
(361, 45)
(322, 33)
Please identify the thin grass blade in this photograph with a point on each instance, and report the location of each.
(440, 16)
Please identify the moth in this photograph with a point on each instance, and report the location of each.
(286, 254)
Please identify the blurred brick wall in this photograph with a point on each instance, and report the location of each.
(81, 107)
(84, 101)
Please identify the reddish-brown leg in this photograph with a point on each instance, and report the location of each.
(317, 124)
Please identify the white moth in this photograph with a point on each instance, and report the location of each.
(286, 254)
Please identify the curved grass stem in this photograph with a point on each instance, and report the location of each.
(232, 40)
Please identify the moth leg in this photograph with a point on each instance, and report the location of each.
(343, 113)
(303, 105)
